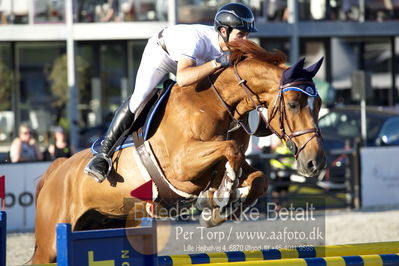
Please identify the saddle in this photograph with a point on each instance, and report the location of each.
(145, 121)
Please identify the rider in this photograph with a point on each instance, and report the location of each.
(191, 52)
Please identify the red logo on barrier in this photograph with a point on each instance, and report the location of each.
(143, 192)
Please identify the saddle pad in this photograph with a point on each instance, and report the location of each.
(148, 125)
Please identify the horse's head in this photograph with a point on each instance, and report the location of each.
(289, 97)
(293, 116)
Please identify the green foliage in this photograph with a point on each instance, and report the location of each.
(59, 80)
(7, 80)
(64, 122)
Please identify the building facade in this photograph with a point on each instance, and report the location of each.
(72, 62)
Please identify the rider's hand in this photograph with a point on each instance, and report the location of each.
(224, 59)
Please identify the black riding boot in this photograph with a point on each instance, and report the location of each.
(101, 164)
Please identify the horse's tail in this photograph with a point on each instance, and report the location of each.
(40, 185)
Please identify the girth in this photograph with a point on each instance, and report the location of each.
(168, 197)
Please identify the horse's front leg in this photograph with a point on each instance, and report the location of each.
(197, 157)
(253, 184)
(220, 197)
(193, 159)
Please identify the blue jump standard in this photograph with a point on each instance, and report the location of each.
(110, 246)
(3, 237)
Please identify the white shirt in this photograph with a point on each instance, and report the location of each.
(198, 42)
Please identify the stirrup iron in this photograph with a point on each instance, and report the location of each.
(98, 177)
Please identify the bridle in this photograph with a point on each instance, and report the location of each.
(278, 110)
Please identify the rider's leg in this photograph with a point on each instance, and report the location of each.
(153, 67)
(100, 165)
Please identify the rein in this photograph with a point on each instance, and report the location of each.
(277, 108)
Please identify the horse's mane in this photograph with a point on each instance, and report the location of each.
(242, 49)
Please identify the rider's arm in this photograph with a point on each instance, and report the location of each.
(188, 73)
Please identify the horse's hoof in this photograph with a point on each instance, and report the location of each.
(207, 223)
(204, 200)
(211, 218)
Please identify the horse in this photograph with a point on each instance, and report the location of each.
(199, 144)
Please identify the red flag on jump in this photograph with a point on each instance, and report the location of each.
(2, 189)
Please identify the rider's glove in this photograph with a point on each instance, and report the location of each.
(224, 59)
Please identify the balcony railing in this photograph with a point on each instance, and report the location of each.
(192, 11)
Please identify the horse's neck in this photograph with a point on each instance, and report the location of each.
(226, 85)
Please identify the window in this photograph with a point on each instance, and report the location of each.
(14, 11)
(372, 55)
(7, 82)
(37, 98)
(49, 11)
(121, 10)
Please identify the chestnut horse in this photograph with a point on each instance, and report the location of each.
(195, 144)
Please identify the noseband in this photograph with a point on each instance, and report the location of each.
(278, 110)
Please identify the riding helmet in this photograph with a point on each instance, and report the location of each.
(235, 16)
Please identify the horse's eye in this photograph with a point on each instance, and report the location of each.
(293, 105)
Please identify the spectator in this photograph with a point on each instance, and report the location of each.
(276, 10)
(24, 148)
(111, 11)
(127, 10)
(59, 147)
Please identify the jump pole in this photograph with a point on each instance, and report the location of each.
(336, 251)
(363, 260)
(111, 247)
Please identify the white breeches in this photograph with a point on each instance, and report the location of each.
(155, 64)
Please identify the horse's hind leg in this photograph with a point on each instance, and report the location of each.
(42, 256)
(45, 250)
(46, 215)
(47, 218)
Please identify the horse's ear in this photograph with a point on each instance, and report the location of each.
(315, 67)
(295, 69)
